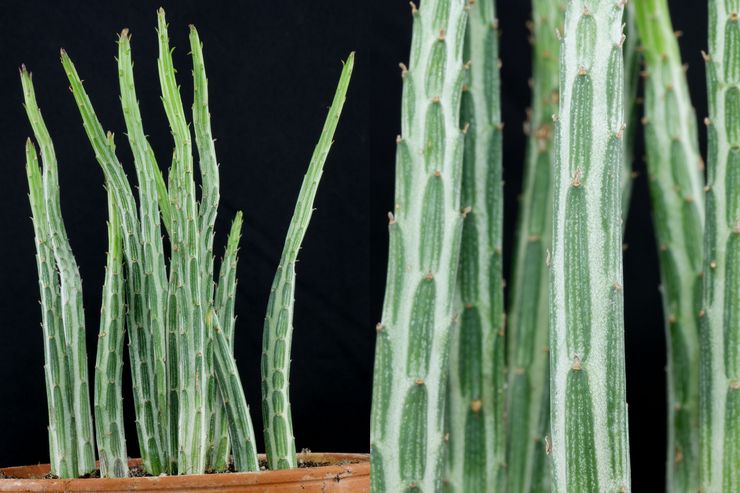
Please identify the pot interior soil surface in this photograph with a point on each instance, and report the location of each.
(320, 473)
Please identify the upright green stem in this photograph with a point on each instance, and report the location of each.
(70, 283)
(155, 276)
(109, 360)
(676, 181)
(408, 449)
(720, 334)
(62, 444)
(141, 352)
(278, 329)
(588, 409)
(528, 400)
(193, 369)
(218, 437)
(476, 460)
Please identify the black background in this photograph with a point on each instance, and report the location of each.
(645, 342)
(272, 70)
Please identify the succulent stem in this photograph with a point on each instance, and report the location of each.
(675, 177)
(588, 408)
(109, 360)
(278, 328)
(528, 387)
(79, 425)
(407, 442)
(719, 433)
(477, 454)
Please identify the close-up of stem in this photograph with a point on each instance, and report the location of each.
(477, 446)
(407, 435)
(719, 435)
(528, 317)
(590, 445)
(676, 181)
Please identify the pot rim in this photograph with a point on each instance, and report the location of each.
(341, 465)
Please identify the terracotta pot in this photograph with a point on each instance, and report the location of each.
(344, 473)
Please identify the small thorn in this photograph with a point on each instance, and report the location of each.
(391, 219)
(419, 381)
(476, 405)
(576, 366)
(429, 276)
(404, 69)
(379, 327)
(576, 180)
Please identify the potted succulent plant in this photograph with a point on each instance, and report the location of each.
(192, 416)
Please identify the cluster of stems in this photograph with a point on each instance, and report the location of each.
(191, 413)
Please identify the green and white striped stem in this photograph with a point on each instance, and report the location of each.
(720, 340)
(528, 400)
(62, 445)
(71, 431)
(148, 424)
(155, 276)
(236, 408)
(108, 396)
(676, 180)
(278, 328)
(477, 454)
(218, 434)
(408, 447)
(588, 409)
(193, 372)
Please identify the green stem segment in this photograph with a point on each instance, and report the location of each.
(141, 351)
(477, 461)
(278, 329)
(528, 399)
(675, 174)
(588, 409)
(236, 408)
(71, 429)
(408, 449)
(193, 371)
(720, 340)
(109, 361)
(155, 276)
